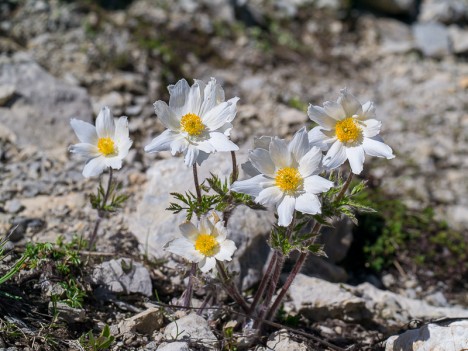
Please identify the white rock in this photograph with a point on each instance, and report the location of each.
(431, 337)
(432, 39)
(459, 39)
(192, 328)
(145, 322)
(123, 276)
(174, 346)
(6, 92)
(281, 341)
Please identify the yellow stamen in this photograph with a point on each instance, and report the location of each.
(106, 146)
(348, 130)
(192, 124)
(207, 245)
(288, 179)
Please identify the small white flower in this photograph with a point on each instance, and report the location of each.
(203, 245)
(198, 121)
(104, 145)
(287, 177)
(347, 130)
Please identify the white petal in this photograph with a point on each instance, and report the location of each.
(271, 195)
(184, 248)
(249, 169)
(205, 225)
(310, 163)
(252, 186)
(371, 127)
(191, 154)
(334, 110)
(189, 231)
(166, 115)
(84, 149)
(207, 264)
(113, 162)
(368, 111)
(202, 156)
(261, 160)
(105, 126)
(220, 114)
(316, 184)
(221, 142)
(94, 167)
(123, 148)
(179, 144)
(286, 211)
(308, 203)
(299, 145)
(85, 131)
(350, 104)
(336, 156)
(121, 130)
(194, 100)
(213, 95)
(178, 94)
(356, 158)
(227, 249)
(162, 142)
(279, 152)
(206, 146)
(319, 139)
(377, 148)
(220, 231)
(319, 116)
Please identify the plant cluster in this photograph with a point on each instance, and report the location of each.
(299, 179)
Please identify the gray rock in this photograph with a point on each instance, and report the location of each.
(459, 39)
(174, 346)
(447, 11)
(432, 39)
(437, 299)
(123, 276)
(395, 36)
(393, 7)
(281, 341)
(448, 337)
(145, 322)
(192, 328)
(14, 206)
(41, 113)
(318, 300)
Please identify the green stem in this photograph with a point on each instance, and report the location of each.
(100, 211)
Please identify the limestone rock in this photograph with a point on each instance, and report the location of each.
(447, 11)
(174, 346)
(43, 106)
(432, 39)
(281, 341)
(123, 276)
(145, 322)
(446, 337)
(192, 328)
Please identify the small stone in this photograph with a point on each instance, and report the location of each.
(67, 313)
(6, 93)
(144, 323)
(432, 39)
(437, 299)
(174, 346)
(14, 206)
(459, 39)
(281, 341)
(192, 328)
(123, 276)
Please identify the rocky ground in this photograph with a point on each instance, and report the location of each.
(404, 267)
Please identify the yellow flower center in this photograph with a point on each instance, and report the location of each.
(288, 179)
(192, 124)
(348, 130)
(106, 146)
(206, 244)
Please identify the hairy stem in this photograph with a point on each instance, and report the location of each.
(100, 212)
(264, 282)
(235, 170)
(302, 258)
(197, 184)
(231, 288)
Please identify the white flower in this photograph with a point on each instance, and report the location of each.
(348, 131)
(105, 145)
(198, 121)
(203, 245)
(287, 177)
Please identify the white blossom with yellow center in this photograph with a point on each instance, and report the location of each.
(285, 175)
(203, 244)
(347, 131)
(104, 145)
(198, 121)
